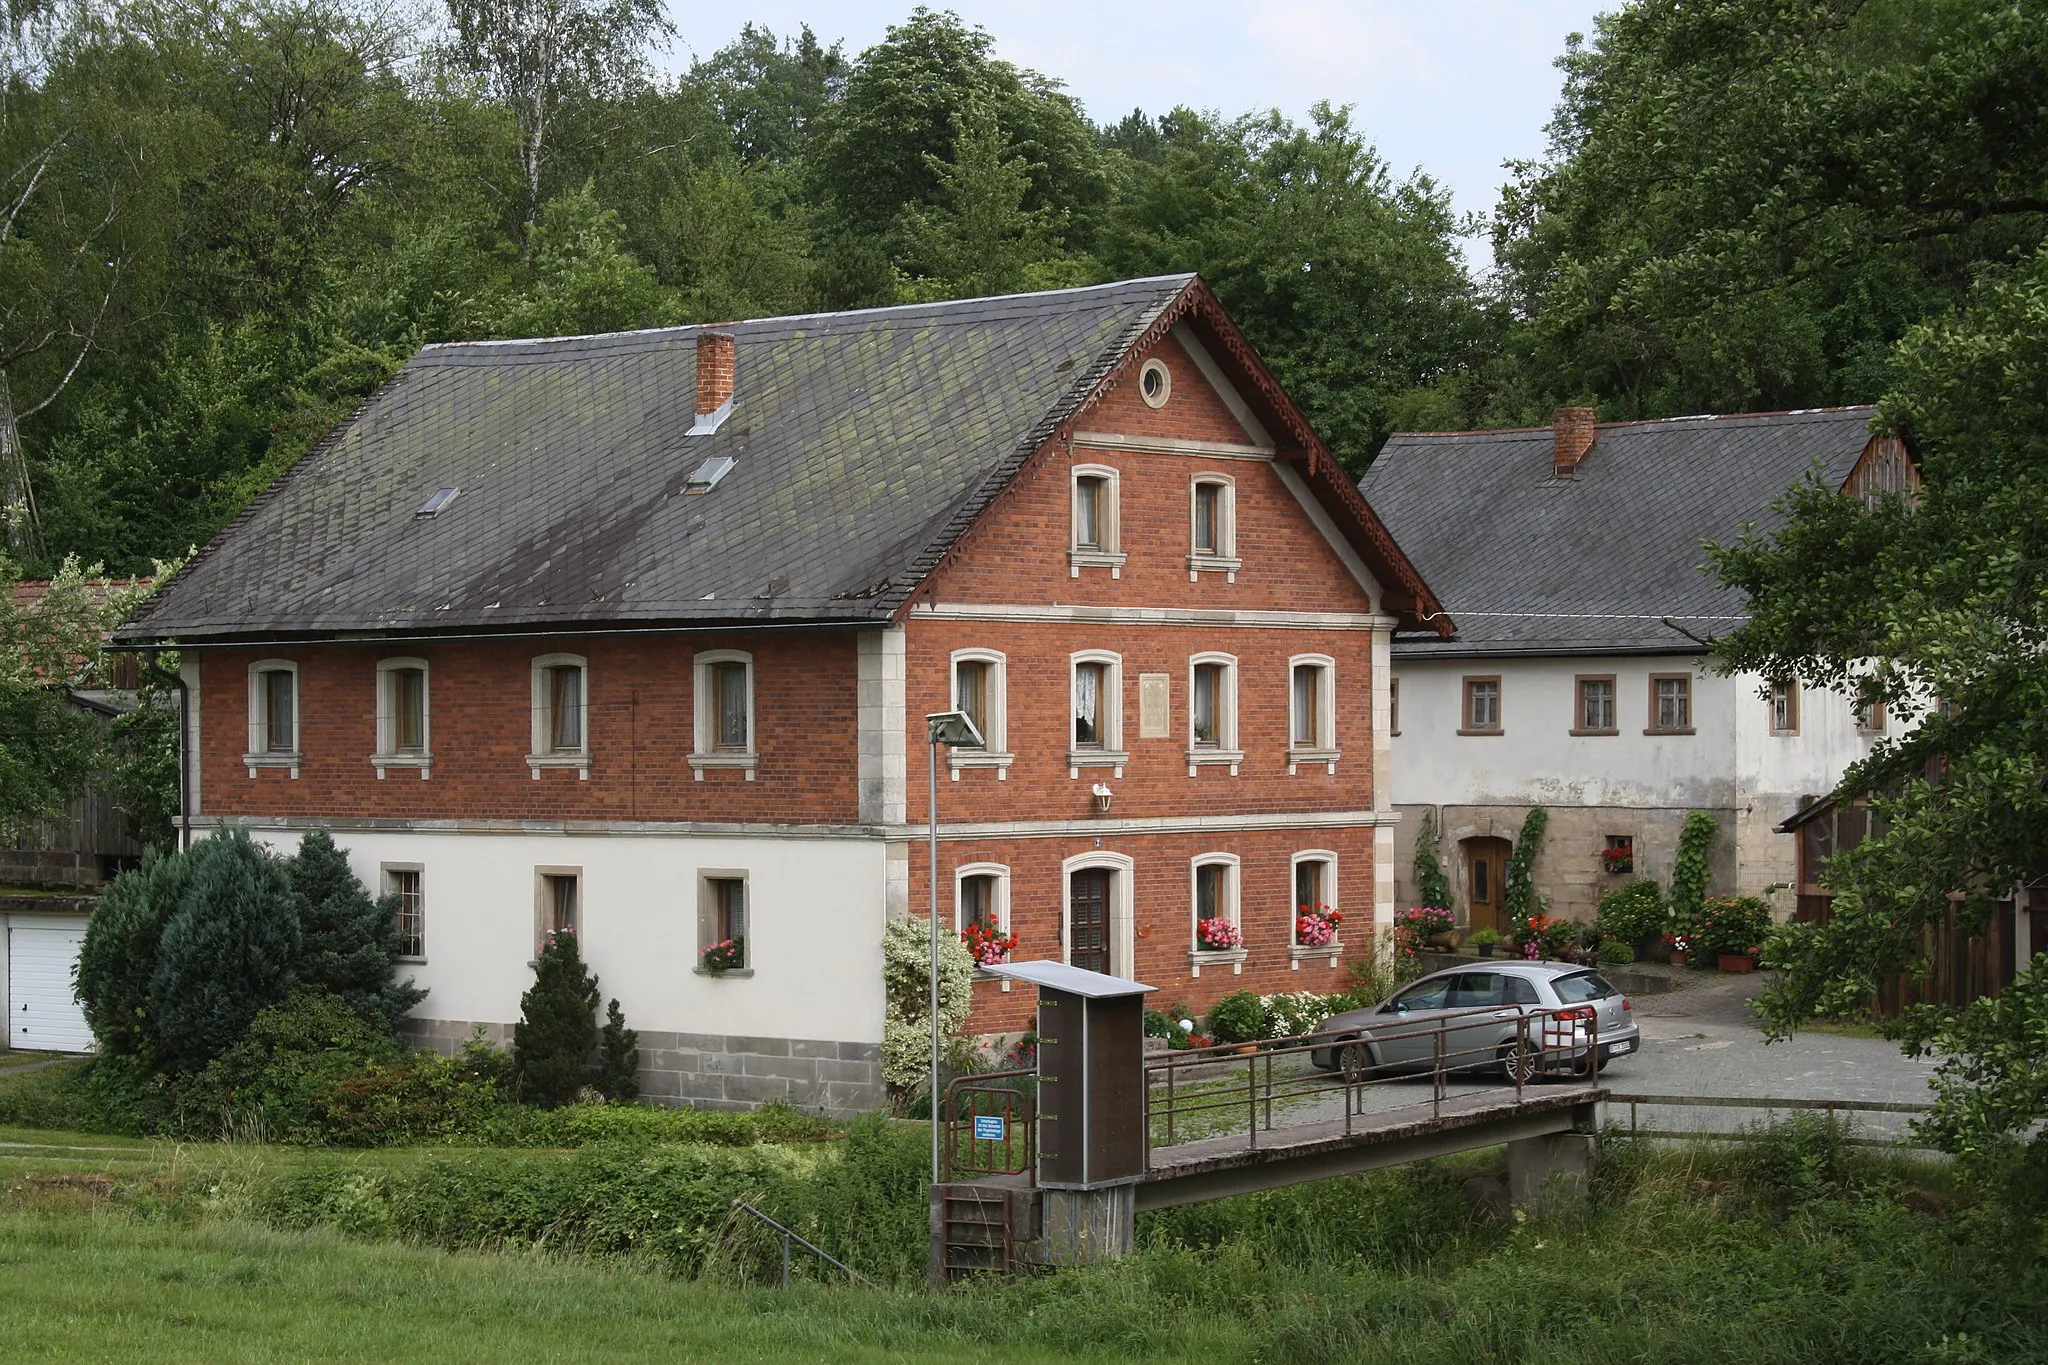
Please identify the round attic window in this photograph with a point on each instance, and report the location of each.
(1155, 383)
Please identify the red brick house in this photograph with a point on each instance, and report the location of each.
(635, 633)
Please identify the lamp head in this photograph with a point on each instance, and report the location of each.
(955, 729)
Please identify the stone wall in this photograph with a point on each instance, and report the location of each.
(1568, 870)
(721, 1071)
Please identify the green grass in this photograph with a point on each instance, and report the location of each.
(1792, 1248)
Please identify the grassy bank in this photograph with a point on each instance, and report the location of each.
(1793, 1248)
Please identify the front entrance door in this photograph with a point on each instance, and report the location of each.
(1088, 919)
(1486, 869)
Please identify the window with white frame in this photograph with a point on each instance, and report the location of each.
(981, 897)
(403, 882)
(402, 739)
(980, 684)
(1311, 709)
(1212, 526)
(561, 713)
(1096, 541)
(1785, 707)
(725, 717)
(1214, 924)
(273, 715)
(1212, 711)
(1096, 736)
(1315, 897)
(724, 921)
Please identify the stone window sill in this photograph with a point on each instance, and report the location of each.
(1593, 732)
(1234, 958)
(1492, 731)
(1113, 560)
(745, 763)
(983, 974)
(735, 971)
(957, 759)
(1096, 758)
(1199, 564)
(1683, 730)
(539, 762)
(1214, 758)
(255, 761)
(409, 961)
(1326, 757)
(383, 763)
(1299, 953)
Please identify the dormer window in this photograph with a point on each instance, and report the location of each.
(1095, 532)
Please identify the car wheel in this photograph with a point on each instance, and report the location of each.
(1518, 1062)
(1355, 1061)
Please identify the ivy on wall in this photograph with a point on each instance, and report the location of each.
(1432, 887)
(1521, 899)
(1689, 870)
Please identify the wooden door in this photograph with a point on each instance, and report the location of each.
(1486, 867)
(1088, 919)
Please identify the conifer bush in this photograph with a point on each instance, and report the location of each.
(228, 951)
(557, 1030)
(119, 954)
(350, 940)
(618, 1058)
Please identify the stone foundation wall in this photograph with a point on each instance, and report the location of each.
(722, 1071)
(1568, 869)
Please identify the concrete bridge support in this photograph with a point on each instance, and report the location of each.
(1084, 1226)
(1550, 1172)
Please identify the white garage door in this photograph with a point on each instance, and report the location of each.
(42, 1016)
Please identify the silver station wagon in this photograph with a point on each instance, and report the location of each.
(1478, 1010)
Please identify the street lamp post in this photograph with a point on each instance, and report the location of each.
(956, 730)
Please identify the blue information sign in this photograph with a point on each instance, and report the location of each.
(988, 1127)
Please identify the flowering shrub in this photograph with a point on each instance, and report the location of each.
(1677, 943)
(1316, 926)
(1217, 935)
(1289, 1014)
(1542, 936)
(726, 955)
(986, 946)
(1732, 924)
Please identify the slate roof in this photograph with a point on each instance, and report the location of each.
(1532, 564)
(866, 443)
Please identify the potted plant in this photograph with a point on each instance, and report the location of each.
(987, 947)
(726, 955)
(1486, 941)
(1561, 937)
(1423, 924)
(1217, 935)
(1675, 946)
(1240, 1018)
(1315, 926)
(1729, 929)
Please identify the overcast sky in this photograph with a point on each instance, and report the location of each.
(1454, 86)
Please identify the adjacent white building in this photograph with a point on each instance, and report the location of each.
(1581, 677)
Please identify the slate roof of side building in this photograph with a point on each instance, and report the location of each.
(1529, 563)
(866, 444)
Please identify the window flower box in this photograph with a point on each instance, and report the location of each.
(986, 946)
(726, 955)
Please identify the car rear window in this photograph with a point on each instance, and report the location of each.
(1580, 987)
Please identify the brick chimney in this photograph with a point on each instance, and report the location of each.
(1571, 437)
(714, 380)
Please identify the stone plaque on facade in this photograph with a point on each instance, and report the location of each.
(1155, 705)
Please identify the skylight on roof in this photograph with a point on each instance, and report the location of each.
(436, 505)
(705, 476)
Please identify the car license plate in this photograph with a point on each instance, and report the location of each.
(1620, 1048)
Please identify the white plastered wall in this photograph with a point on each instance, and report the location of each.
(815, 918)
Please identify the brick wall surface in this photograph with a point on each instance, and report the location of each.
(1019, 553)
(1163, 895)
(480, 698)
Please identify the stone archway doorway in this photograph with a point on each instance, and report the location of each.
(1486, 874)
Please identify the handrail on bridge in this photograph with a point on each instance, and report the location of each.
(789, 1235)
(1546, 1040)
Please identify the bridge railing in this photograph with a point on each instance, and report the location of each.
(1254, 1088)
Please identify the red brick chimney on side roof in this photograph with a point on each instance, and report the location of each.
(1571, 437)
(714, 371)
